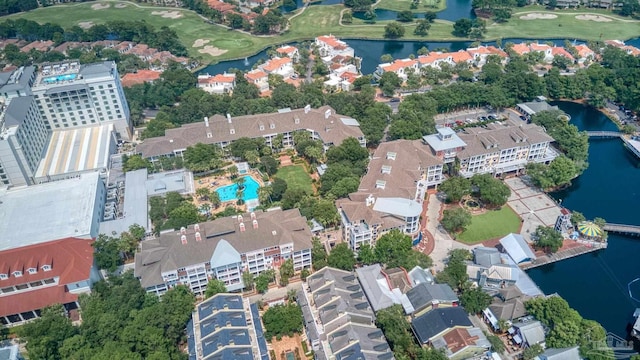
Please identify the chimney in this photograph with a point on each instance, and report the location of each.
(183, 230)
(307, 109)
(242, 228)
(240, 219)
(198, 237)
(253, 215)
(255, 224)
(327, 113)
(196, 227)
(229, 118)
(183, 239)
(206, 121)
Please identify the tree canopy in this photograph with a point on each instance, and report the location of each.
(455, 220)
(490, 190)
(282, 320)
(548, 238)
(342, 257)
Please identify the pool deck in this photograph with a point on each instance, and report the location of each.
(216, 182)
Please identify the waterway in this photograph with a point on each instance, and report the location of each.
(596, 284)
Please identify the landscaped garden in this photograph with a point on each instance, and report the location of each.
(490, 225)
(296, 177)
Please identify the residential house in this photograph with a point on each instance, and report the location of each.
(226, 326)
(223, 249)
(560, 51)
(221, 6)
(507, 304)
(339, 321)
(218, 84)
(527, 334)
(258, 78)
(517, 247)
(520, 49)
(391, 193)
(419, 275)
(584, 54)
(544, 49)
(486, 256)
(39, 45)
(124, 47)
(341, 77)
(500, 148)
(494, 276)
(437, 323)
(434, 59)
(425, 297)
(528, 109)
(322, 124)
(461, 343)
(384, 288)
(570, 353)
(140, 77)
(401, 67)
(256, 3)
(329, 46)
(142, 51)
(479, 55)
(289, 51)
(278, 66)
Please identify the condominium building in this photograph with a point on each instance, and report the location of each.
(339, 321)
(226, 326)
(503, 148)
(391, 193)
(69, 94)
(322, 124)
(218, 84)
(23, 141)
(329, 47)
(223, 249)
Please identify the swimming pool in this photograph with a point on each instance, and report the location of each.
(54, 79)
(228, 193)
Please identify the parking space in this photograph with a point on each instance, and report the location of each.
(472, 116)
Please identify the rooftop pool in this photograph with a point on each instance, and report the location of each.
(53, 79)
(228, 192)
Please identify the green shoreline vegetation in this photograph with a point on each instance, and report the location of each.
(321, 20)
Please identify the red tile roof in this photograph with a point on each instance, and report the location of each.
(560, 51)
(220, 6)
(458, 339)
(333, 42)
(142, 76)
(432, 57)
(496, 51)
(399, 64)
(460, 56)
(288, 49)
(255, 75)
(275, 63)
(71, 260)
(584, 51)
(219, 78)
(521, 49)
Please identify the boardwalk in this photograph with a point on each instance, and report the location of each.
(564, 254)
(623, 229)
(604, 134)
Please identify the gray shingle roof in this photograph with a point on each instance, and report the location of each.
(486, 256)
(424, 294)
(17, 110)
(532, 332)
(437, 321)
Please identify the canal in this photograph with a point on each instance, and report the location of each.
(596, 284)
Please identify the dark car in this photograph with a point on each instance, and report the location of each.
(394, 100)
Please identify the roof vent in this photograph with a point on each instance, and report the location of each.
(196, 227)
(327, 113)
(255, 224)
(253, 215)
(307, 109)
(274, 233)
(183, 230)
(183, 239)
(240, 219)
(242, 228)
(198, 237)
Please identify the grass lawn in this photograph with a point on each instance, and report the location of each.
(296, 177)
(424, 6)
(490, 225)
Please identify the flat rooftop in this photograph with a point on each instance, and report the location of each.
(45, 212)
(71, 71)
(135, 210)
(77, 150)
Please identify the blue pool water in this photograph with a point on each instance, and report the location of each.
(53, 79)
(228, 193)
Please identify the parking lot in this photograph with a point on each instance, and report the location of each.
(475, 115)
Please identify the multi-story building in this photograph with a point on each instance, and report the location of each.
(258, 78)
(23, 140)
(289, 51)
(282, 66)
(391, 193)
(339, 321)
(329, 47)
(69, 94)
(503, 148)
(226, 326)
(322, 124)
(45, 248)
(223, 249)
(218, 84)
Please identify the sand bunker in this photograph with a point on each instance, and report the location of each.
(597, 18)
(85, 24)
(200, 43)
(100, 6)
(212, 50)
(538, 16)
(121, 6)
(168, 14)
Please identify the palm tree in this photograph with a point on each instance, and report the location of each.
(292, 295)
(264, 194)
(240, 182)
(233, 171)
(203, 193)
(214, 198)
(205, 208)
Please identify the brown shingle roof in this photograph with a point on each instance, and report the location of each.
(331, 130)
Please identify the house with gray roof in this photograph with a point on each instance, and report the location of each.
(517, 247)
(486, 256)
(425, 297)
(507, 304)
(391, 193)
(438, 322)
(569, 353)
(419, 275)
(528, 109)
(339, 320)
(529, 333)
(381, 289)
(223, 249)
(322, 124)
(445, 144)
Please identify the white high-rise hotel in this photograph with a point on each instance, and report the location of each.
(57, 97)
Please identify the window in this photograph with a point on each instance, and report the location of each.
(380, 184)
(391, 155)
(386, 169)
(32, 270)
(46, 267)
(3, 276)
(17, 273)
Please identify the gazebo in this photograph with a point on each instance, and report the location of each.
(590, 230)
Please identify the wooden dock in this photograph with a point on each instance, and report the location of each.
(564, 254)
(632, 230)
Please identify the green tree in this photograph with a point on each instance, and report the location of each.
(318, 254)
(455, 272)
(532, 351)
(455, 187)
(215, 286)
(548, 238)
(496, 344)
(393, 30)
(282, 320)
(248, 280)
(136, 162)
(577, 217)
(286, 272)
(202, 157)
(422, 29)
(46, 334)
(342, 257)
(475, 300)
(406, 16)
(366, 255)
(203, 193)
(107, 253)
(462, 27)
(279, 187)
(490, 190)
(269, 165)
(455, 220)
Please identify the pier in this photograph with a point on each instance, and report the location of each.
(632, 230)
(583, 248)
(604, 134)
